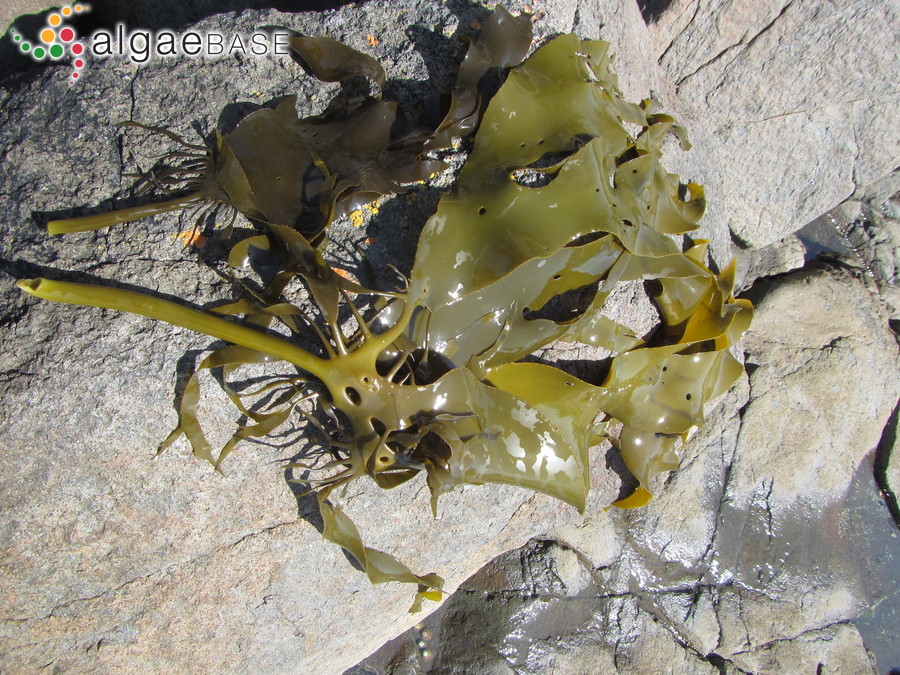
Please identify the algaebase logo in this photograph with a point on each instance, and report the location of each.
(56, 40)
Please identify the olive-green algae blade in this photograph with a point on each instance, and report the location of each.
(266, 171)
(333, 61)
(493, 223)
(499, 437)
(503, 42)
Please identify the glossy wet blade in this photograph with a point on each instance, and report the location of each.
(493, 223)
(503, 42)
(467, 326)
(265, 169)
(501, 440)
(665, 394)
(567, 402)
(333, 61)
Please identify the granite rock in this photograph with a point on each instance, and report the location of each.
(115, 560)
(795, 98)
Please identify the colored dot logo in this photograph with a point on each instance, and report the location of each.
(56, 39)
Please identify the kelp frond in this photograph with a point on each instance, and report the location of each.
(431, 380)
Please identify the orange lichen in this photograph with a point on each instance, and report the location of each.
(192, 237)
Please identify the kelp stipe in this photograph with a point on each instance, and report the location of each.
(261, 169)
(431, 381)
(186, 177)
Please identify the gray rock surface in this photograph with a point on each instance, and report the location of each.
(113, 560)
(795, 96)
(9, 12)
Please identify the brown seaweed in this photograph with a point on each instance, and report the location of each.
(276, 168)
(333, 61)
(503, 43)
(430, 381)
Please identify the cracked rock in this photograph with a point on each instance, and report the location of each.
(797, 100)
(823, 366)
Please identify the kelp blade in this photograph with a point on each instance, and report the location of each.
(380, 567)
(333, 61)
(503, 42)
(495, 227)
(505, 441)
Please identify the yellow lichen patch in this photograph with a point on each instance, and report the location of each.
(360, 215)
(357, 218)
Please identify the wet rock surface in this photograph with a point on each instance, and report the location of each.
(770, 549)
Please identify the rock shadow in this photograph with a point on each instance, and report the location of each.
(652, 10)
